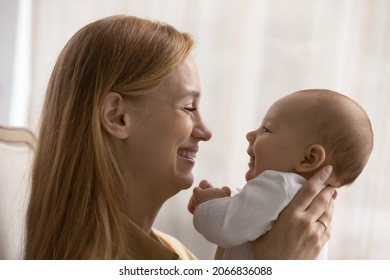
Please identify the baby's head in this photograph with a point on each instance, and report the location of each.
(309, 129)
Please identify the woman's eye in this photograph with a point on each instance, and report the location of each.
(190, 109)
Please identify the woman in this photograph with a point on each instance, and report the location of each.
(119, 134)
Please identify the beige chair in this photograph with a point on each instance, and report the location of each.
(17, 146)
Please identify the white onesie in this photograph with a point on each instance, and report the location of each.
(232, 222)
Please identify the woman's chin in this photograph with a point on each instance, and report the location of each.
(185, 181)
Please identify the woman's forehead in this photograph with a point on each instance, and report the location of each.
(183, 81)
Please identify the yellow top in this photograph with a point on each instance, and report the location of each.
(173, 245)
(155, 246)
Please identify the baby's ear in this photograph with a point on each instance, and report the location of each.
(314, 157)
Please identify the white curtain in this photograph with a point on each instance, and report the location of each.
(250, 53)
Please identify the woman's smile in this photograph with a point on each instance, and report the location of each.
(188, 154)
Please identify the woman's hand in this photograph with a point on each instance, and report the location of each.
(297, 233)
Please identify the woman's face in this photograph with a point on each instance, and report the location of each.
(165, 134)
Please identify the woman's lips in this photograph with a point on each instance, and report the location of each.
(187, 154)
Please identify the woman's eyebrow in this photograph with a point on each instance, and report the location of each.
(193, 93)
(190, 94)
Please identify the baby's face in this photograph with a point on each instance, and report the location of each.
(280, 142)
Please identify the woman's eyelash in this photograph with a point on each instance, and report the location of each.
(190, 109)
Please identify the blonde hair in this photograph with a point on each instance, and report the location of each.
(75, 209)
(342, 127)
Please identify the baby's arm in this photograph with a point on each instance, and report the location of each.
(233, 221)
(206, 192)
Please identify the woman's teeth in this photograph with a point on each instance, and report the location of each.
(187, 154)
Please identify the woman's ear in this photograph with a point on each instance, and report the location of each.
(314, 157)
(114, 116)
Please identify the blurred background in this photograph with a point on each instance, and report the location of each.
(249, 54)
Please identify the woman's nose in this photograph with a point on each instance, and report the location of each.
(201, 131)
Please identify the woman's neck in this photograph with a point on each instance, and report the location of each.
(142, 209)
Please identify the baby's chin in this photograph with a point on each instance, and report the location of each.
(249, 175)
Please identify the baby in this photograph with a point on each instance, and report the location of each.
(301, 133)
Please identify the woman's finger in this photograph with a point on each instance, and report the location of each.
(325, 220)
(320, 205)
(311, 189)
